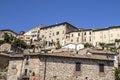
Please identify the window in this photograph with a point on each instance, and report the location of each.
(57, 33)
(25, 72)
(57, 39)
(42, 36)
(27, 37)
(77, 39)
(14, 66)
(2, 36)
(72, 35)
(85, 33)
(27, 60)
(85, 39)
(101, 67)
(71, 40)
(78, 34)
(27, 57)
(90, 38)
(78, 66)
(90, 33)
(53, 34)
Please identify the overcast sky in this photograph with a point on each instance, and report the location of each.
(22, 15)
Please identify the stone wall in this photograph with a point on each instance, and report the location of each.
(14, 69)
(61, 68)
(64, 69)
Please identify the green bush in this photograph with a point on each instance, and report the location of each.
(117, 74)
(88, 45)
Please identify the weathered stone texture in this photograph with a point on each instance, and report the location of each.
(64, 69)
(14, 74)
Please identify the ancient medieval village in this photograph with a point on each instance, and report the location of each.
(60, 51)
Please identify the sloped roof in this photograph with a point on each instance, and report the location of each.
(58, 25)
(65, 54)
(111, 27)
(9, 31)
(76, 56)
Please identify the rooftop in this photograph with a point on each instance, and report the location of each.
(111, 27)
(66, 54)
(58, 25)
(8, 30)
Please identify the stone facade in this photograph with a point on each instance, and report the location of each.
(25, 38)
(106, 35)
(9, 32)
(6, 47)
(64, 69)
(60, 66)
(55, 33)
(66, 33)
(14, 69)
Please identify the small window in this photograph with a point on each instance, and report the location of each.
(78, 66)
(101, 67)
(85, 39)
(90, 33)
(71, 40)
(14, 66)
(27, 37)
(27, 57)
(27, 60)
(25, 73)
(57, 33)
(72, 35)
(42, 36)
(78, 34)
(77, 39)
(53, 34)
(90, 38)
(85, 33)
(57, 39)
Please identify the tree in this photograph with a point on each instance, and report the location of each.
(88, 45)
(2, 42)
(19, 43)
(6, 38)
(117, 74)
(113, 49)
(102, 45)
(58, 46)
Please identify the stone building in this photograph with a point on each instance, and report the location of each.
(74, 37)
(4, 61)
(106, 35)
(65, 33)
(87, 36)
(63, 65)
(9, 32)
(6, 47)
(26, 38)
(56, 33)
(34, 32)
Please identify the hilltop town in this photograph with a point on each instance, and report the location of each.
(60, 52)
